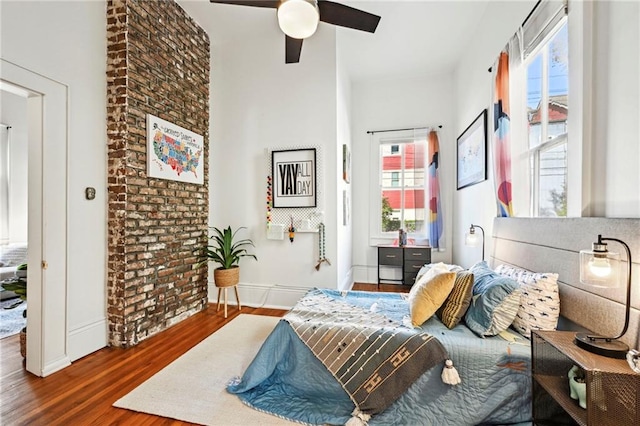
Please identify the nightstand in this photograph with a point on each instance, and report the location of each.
(613, 389)
(407, 260)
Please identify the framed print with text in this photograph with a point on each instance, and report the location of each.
(294, 178)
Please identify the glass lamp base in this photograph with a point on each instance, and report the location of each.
(599, 345)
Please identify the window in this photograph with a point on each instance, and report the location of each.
(547, 111)
(400, 177)
(539, 78)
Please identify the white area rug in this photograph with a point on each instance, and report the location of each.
(192, 388)
(11, 320)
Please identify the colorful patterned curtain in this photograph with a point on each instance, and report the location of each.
(502, 135)
(436, 226)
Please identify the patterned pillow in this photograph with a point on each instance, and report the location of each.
(539, 302)
(428, 294)
(458, 301)
(496, 300)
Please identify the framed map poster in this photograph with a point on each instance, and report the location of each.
(174, 152)
(294, 178)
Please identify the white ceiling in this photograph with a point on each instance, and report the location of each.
(413, 37)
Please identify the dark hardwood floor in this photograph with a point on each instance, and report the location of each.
(83, 393)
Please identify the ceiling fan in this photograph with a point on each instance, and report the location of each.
(298, 19)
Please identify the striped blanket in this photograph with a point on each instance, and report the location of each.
(374, 358)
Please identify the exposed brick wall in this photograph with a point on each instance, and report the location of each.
(157, 63)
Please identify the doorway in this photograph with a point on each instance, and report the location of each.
(46, 128)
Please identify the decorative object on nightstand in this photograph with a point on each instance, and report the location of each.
(600, 268)
(578, 385)
(471, 238)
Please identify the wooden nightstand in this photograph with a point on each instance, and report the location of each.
(407, 259)
(613, 389)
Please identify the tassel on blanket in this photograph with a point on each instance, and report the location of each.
(359, 418)
(450, 375)
(234, 381)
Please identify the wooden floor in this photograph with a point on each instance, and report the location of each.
(83, 393)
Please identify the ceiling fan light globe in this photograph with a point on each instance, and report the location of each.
(298, 18)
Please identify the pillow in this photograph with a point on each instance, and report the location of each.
(425, 268)
(428, 294)
(540, 300)
(457, 303)
(495, 303)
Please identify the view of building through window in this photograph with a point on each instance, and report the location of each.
(402, 185)
(547, 111)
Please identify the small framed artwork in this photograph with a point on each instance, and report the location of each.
(346, 163)
(472, 152)
(294, 178)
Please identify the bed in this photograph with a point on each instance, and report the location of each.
(287, 380)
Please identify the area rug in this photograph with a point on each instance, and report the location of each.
(193, 387)
(11, 320)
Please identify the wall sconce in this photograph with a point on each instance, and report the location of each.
(471, 238)
(600, 268)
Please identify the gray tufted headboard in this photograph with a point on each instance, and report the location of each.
(553, 245)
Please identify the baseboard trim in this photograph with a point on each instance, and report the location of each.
(262, 295)
(87, 339)
(55, 366)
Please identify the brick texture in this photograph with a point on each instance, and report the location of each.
(157, 63)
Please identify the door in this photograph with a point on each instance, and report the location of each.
(47, 124)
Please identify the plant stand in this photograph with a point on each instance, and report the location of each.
(220, 289)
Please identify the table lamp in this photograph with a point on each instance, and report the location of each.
(600, 268)
(471, 238)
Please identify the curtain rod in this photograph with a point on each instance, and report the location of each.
(524, 22)
(5, 125)
(371, 132)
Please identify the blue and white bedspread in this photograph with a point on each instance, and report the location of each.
(287, 380)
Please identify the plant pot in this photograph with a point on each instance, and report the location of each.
(23, 342)
(578, 390)
(226, 277)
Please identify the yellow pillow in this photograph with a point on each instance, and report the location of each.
(429, 293)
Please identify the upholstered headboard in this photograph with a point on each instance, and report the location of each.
(553, 245)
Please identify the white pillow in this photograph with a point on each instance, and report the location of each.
(539, 301)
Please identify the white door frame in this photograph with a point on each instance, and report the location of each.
(48, 106)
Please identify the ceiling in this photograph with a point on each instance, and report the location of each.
(413, 38)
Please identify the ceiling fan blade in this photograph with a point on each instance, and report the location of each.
(293, 47)
(346, 16)
(255, 3)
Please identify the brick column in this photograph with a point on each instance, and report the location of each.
(157, 63)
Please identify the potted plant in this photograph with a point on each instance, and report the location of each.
(226, 250)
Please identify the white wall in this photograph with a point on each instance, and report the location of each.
(66, 42)
(616, 114)
(13, 112)
(476, 204)
(260, 103)
(395, 104)
(344, 232)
